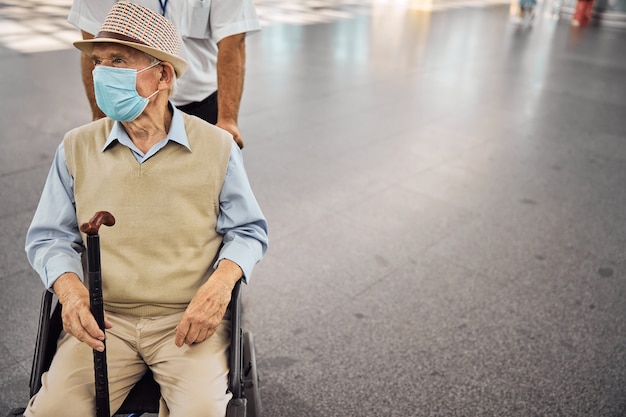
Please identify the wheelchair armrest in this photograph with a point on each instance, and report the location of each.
(236, 357)
(50, 327)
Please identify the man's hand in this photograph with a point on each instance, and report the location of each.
(233, 129)
(206, 309)
(76, 314)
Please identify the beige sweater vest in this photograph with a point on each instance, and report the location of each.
(164, 243)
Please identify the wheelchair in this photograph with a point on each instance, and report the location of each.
(145, 395)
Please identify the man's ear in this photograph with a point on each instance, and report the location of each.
(168, 75)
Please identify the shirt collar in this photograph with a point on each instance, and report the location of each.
(177, 132)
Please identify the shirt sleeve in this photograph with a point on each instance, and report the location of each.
(53, 241)
(89, 15)
(232, 17)
(241, 221)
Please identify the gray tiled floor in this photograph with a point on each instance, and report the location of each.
(446, 199)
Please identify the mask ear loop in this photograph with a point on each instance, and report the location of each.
(147, 68)
(153, 94)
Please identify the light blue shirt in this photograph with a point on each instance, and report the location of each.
(54, 242)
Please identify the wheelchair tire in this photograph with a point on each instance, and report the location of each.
(250, 377)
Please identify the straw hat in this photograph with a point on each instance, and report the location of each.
(142, 29)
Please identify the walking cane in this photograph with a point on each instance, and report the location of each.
(97, 305)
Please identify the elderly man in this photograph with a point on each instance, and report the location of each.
(187, 229)
(213, 33)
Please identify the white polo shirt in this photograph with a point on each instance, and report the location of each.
(201, 23)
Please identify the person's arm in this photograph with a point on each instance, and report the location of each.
(241, 221)
(86, 68)
(53, 242)
(231, 59)
(244, 230)
(53, 247)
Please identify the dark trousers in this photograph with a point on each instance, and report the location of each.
(205, 109)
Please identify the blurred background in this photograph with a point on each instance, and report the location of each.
(444, 185)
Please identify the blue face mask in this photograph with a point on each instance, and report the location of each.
(116, 92)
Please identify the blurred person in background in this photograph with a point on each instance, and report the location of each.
(213, 35)
(526, 12)
(582, 13)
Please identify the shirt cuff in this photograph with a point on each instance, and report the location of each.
(55, 267)
(245, 253)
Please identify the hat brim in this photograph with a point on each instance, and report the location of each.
(179, 64)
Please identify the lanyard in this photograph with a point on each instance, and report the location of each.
(163, 4)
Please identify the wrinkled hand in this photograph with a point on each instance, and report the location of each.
(233, 129)
(207, 308)
(203, 315)
(76, 314)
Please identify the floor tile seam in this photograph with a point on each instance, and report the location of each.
(400, 183)
(477, 218)
(29, 168)
(430, 168)
(354, 297)
(453, 160)
(296, 233)
(503, 285)
(267, 138)
(594, 62)
(323, 98)
(364, 197)
(513, 281)
(441, 119)
(569, 95)
(24, 210)
(458, 208)
(493, 138)
(18, 272)
(396, 131)
(486, 56)
(347, 216)
(431, 120)
(17, 361)
(470, 216)
(295, 270)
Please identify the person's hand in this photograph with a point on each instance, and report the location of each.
(76, 314)
(204, 313)
(207, 308)
(233, 129)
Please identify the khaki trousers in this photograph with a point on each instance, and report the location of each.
(193, 379)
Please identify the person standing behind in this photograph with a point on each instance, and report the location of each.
(525, 13)
(213, 34)
(583, 13)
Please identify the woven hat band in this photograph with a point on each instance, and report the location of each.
(118, 36)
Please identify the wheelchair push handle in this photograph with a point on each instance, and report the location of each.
(100, 218)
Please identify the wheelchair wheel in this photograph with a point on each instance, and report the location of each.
(250, 377)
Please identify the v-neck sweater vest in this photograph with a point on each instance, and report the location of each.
(164, 242)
